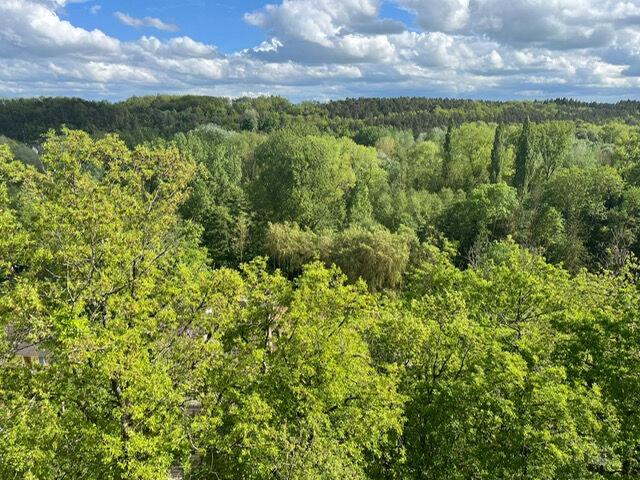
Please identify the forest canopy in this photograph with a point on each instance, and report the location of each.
(363, 289)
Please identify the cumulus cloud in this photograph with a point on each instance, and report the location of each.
(331, 31)
(554, 24)
(335, 48)
(440, 15)
(36, 29)
(151, 22)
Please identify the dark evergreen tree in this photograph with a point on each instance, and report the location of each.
(497, 155)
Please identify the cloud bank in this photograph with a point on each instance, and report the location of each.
(335, 48)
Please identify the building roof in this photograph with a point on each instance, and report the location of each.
(30, 350)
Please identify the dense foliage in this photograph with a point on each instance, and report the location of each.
(312, 301)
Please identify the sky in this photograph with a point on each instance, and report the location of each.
(322, 49)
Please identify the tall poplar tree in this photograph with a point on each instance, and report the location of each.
(524, 158)
(497, 155)
(447, 158)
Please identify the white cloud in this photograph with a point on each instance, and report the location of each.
(336, 48)
(315, 21)
(331, 31)
(178, 47)
(555, 24)
(35, 28)
(151, 22)
(440, 15)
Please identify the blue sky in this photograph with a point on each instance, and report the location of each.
(217, 23)
(322, 49)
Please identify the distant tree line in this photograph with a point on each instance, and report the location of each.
(141, 119)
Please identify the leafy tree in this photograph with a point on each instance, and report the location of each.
(600, 348)
(141, 119)
(15, 242)
(377, 256)
(471, 150)
(302, 399)
(359, 209)
(553, 142)
(291, 247)
(250, 120)
(443, 350)
(424, 159)
(112, 280)
(587, 200)
(302, 179)
(477, 354)
(481, 217)
(369, 135)
(363, 197)
(386, 146)
(217, 200)
(548, 232)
